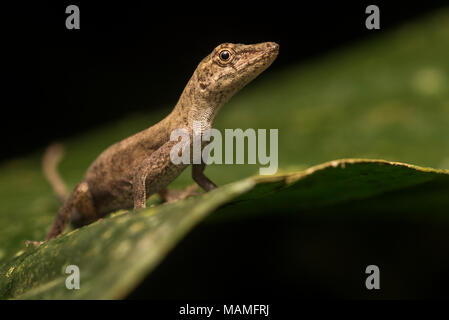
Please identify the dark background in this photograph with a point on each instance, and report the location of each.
(131, 56)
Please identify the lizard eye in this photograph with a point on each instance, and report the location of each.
(225, 55)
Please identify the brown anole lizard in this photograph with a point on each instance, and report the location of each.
(128, 172)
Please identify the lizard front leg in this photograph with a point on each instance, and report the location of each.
(175, 195)
(200, 178)
(155, 170)
(154, 173)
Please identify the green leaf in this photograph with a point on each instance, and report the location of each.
(118, 252)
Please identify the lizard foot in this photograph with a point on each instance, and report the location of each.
(34, 243)
(175, 195)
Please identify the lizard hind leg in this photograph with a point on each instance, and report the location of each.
(84, 212)
(80, 201)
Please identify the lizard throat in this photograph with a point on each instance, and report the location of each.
(204, 115)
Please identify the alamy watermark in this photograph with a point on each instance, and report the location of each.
(372, 22)
(373, 280)
(73, 19)
(72, 282)
(193, 152)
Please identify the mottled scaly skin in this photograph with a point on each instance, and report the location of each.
(128, 172)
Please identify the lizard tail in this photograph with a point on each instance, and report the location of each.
(52, 156)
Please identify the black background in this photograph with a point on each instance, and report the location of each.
(131, 56)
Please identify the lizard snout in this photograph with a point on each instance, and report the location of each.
(272, 46)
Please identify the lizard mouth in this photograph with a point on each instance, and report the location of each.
(272, 47)
(265, 55)
(271, 50)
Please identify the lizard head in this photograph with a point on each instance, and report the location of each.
(230, 67)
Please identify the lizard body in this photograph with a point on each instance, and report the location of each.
(129, 171)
